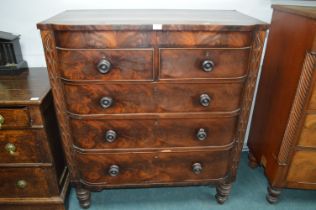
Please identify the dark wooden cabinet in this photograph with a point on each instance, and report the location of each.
(33, 172)
(152, 97)
(282, 136)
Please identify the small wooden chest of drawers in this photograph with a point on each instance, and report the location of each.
(152, 97)
(33, 173)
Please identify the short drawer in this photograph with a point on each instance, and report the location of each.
(303, 167)
(153, 133)
(111, 64)
(152, 98)
(149, 168)
(14, 117)
(20, 146)
(24, 182)
(308, 132)
(203, 63)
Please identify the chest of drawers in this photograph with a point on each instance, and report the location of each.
(152, 97)
(282, 137)
(33, 173)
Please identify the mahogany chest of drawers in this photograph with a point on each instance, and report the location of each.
(33, 174)
(283, 132)
(152, 97)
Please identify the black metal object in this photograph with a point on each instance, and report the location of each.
(11, 60)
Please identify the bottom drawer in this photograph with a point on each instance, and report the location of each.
(303, 167)
(158, 167)
(25, 182)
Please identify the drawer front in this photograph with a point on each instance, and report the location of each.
(303, 167)
(204, 39)
(14, 118)
(19, 146)
(104, 39)
(145, 168)
(308, 133)
(118, 65)
(149, 98)
(151, 133)
(203, 63)
(24, 182)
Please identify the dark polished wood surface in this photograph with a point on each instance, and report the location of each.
(175, 102)
(32, 167)
(144, 19)
(281, 125)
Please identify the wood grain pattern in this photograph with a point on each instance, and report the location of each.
(27, 147)
(126, 64)
(297, 108)
(303, 167)
(149, 98)
(153, 133)
(51, 61)
(15, 117)
(187, 63)
(308, 132)
(153, 167)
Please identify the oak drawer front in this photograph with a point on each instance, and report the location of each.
(150, 133)
(14, 118)
(24, 182)
(203, 63)
(19, 146)
(117, 65)
(303, 167)
(204, 39)
(104, 39)
(149, 98)
(132, 168)
(308, 132)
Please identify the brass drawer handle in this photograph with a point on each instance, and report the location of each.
(197, 168)
(1, 120)
(205, 99)
(10, 148)
(104, 66)
(208, 65)
(114, 170)
(21, 184)
(201, 134)
(106, 102)
(110, 136)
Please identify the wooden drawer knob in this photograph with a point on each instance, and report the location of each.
(21, 184)
(104, 66)
(106, 102)
(201, 135)
(110, 136)
(197, 168)
(114, 170)
(205, 99)
(10, 148)
(1, 120)
(208, 65)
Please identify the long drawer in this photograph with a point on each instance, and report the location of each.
(154, 97)
(25, 182)
(142, 168)
(118, 134)
(20, 146)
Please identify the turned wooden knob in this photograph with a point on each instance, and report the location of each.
(110, 136)
(201, 134)
(114, 170)
(208, 65)
(197, 168)
(205, 99)
(106, 102)
(104, 66)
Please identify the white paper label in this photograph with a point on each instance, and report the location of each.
(34, 98)
(157, 26)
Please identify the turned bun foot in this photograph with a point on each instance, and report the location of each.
(222, 192)
(84, 197)
(252, 161)
(273, 194)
